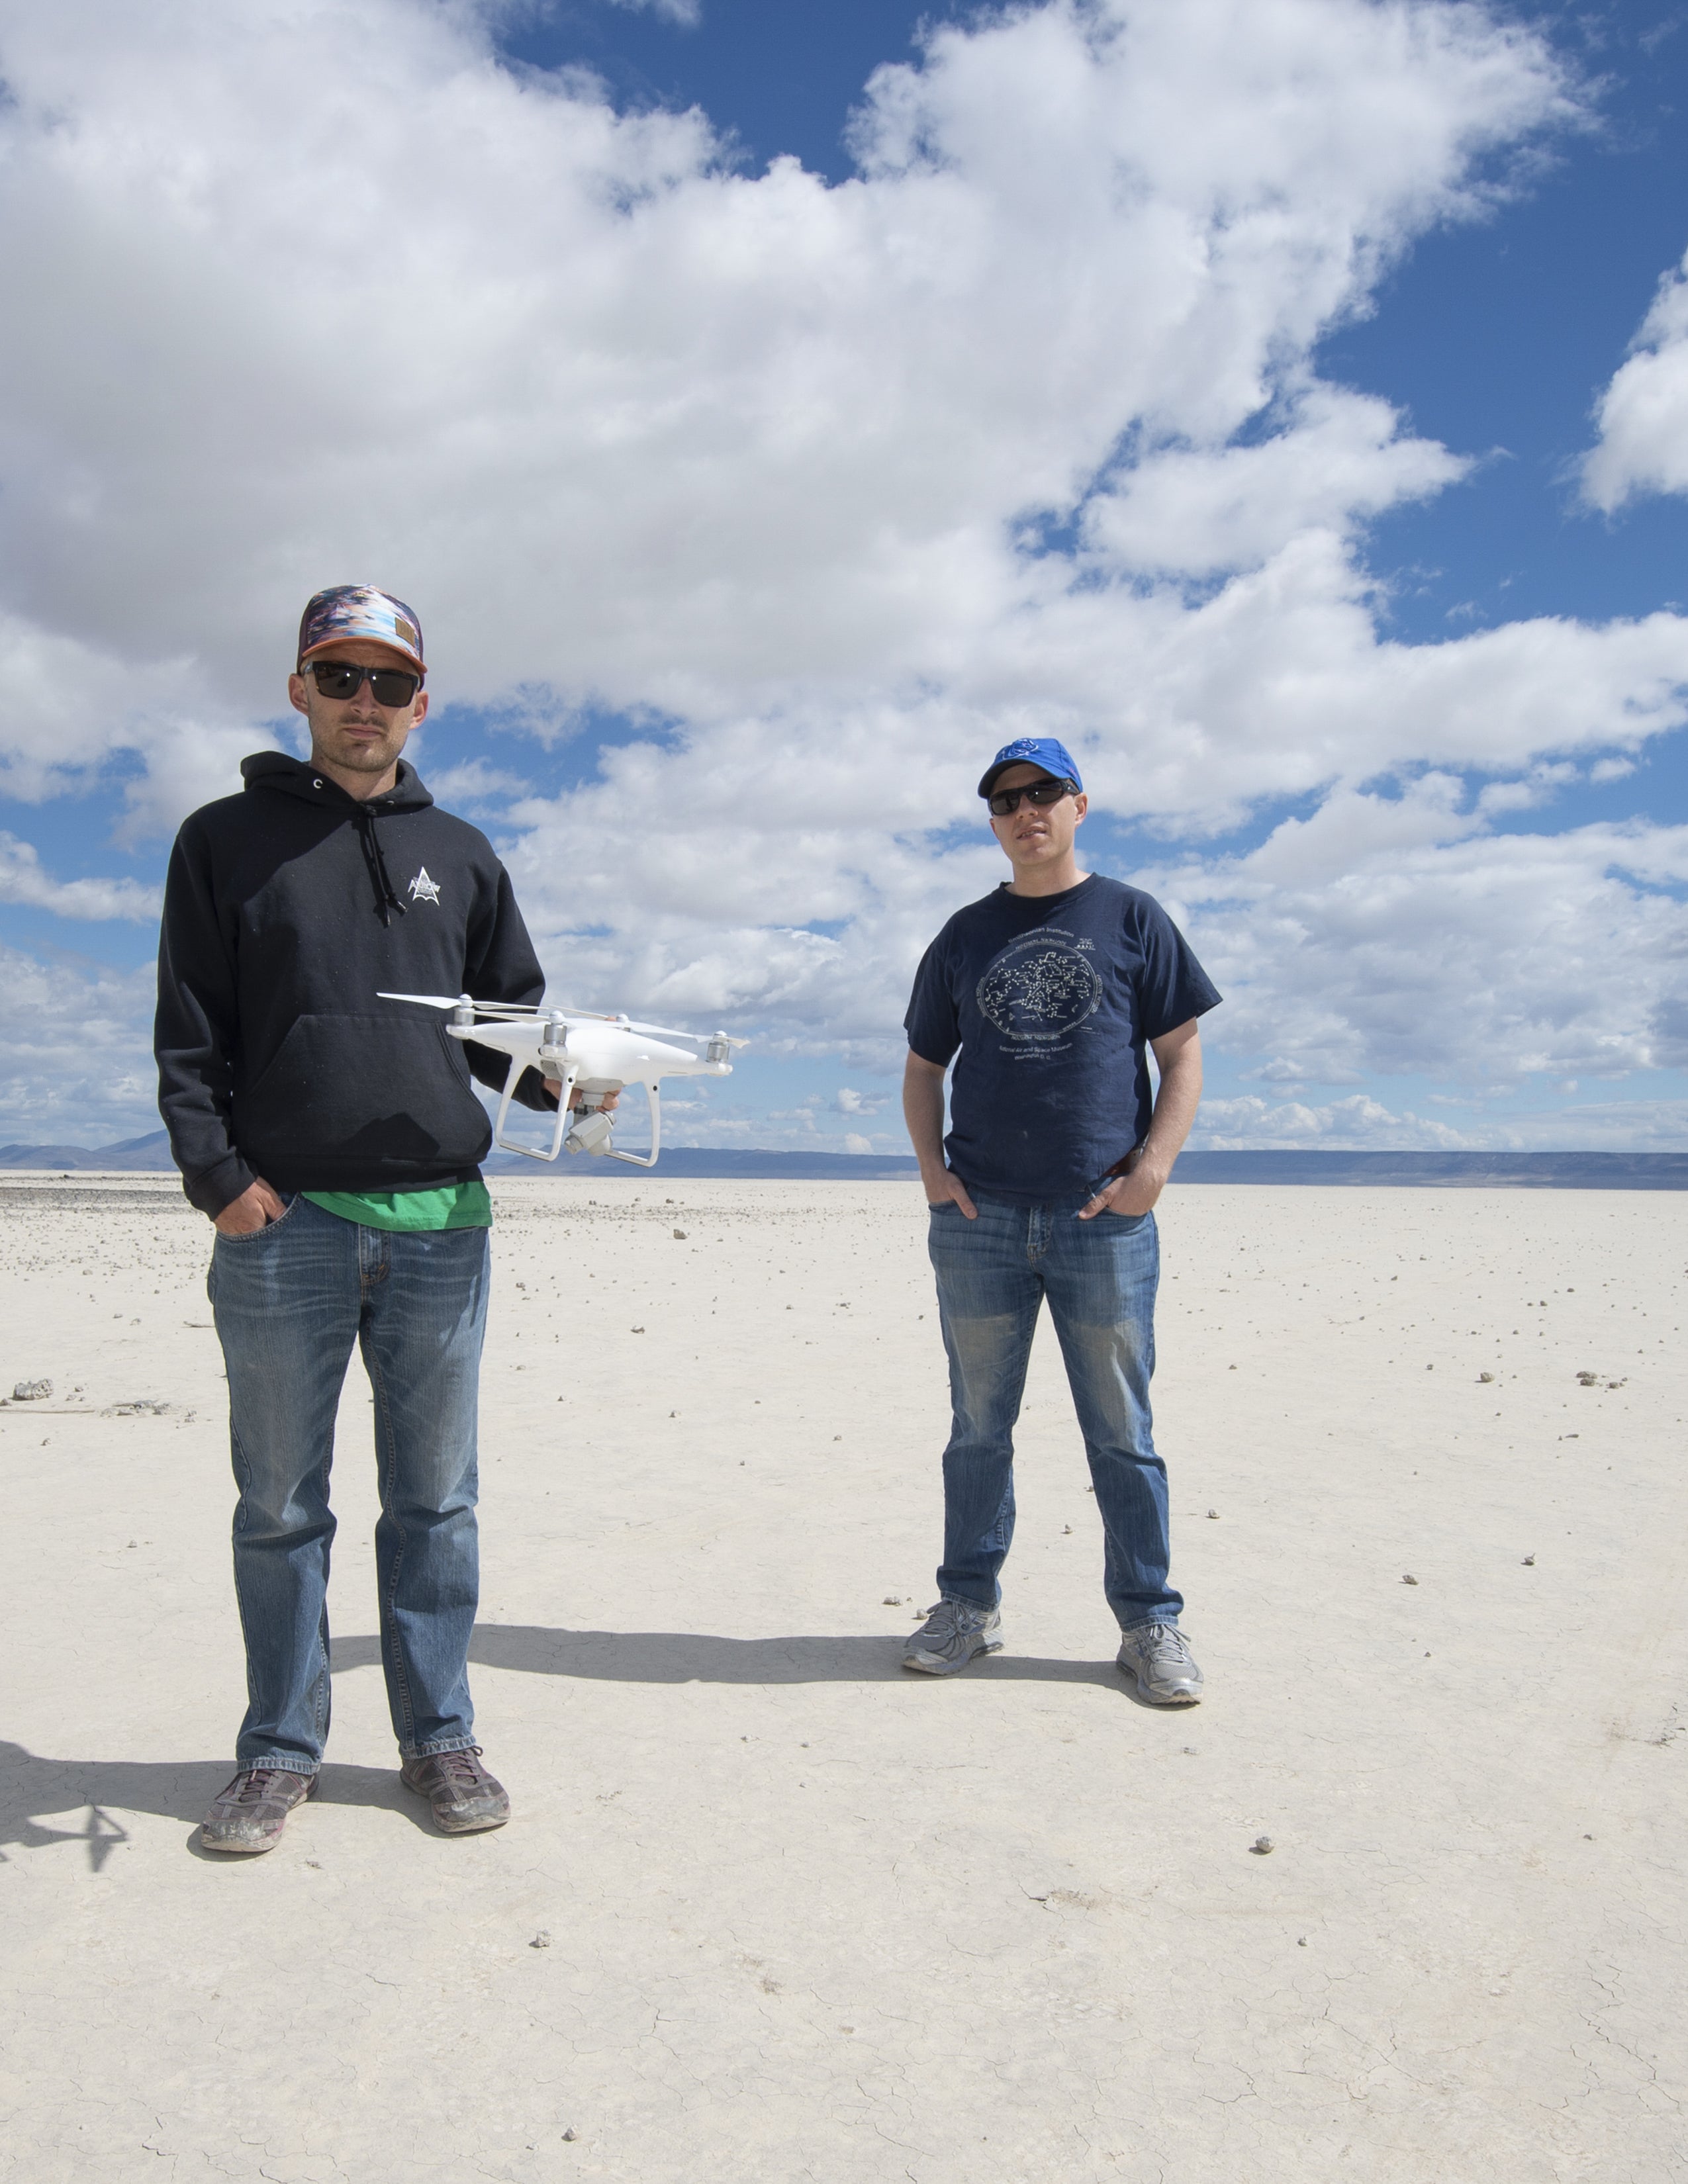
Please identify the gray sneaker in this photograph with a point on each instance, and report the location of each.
(250, 1813)
(462, 1797)
(1158, 1655)
(952, 1633)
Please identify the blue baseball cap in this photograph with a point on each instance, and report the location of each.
(1033, 751)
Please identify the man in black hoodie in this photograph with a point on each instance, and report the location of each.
(334, 1139)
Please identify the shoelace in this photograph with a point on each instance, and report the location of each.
(459, 1767)
(254, 1785)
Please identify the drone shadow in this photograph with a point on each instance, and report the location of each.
(43, 1801)
(685, 1657)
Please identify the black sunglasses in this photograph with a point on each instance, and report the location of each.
(340, 679)
(1005, 800)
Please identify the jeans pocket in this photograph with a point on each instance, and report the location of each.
(254, 1235)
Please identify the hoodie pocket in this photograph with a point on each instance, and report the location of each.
(385, 1094)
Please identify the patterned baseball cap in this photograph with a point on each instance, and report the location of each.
(1033, 751)
(360, 611)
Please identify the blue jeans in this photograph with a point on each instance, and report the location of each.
(1100, 1277)
(289, 1302)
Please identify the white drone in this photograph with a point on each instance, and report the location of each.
(579, 1049)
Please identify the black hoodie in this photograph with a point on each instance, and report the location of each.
(287, 911)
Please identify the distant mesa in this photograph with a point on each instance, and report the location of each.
(1461, 1170)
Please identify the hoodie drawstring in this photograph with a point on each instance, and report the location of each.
(386, 901)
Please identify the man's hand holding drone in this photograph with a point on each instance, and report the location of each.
(550, 1090)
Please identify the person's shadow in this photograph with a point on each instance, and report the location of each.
(44, 1801)
(686, 1656)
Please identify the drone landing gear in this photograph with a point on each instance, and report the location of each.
(559, 1129)
(588, 1129)
(633, 1159)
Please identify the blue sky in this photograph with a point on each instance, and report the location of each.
(716, 514)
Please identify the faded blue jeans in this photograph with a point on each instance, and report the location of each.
(289, 1302)
(1100, 1277)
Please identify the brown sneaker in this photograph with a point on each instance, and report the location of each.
(462, 1795)
(251, 1813)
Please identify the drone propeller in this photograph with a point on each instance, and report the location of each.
(658, 1031)
(515, 1009)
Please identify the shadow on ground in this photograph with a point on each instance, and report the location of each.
(91, 1797)
(685, 1656)
(93, 1793)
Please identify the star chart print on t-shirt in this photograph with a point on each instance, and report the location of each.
(1040, 989)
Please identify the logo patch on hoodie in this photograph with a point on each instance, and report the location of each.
(422, 888)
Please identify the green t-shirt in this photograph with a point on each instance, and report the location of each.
(453, 1206)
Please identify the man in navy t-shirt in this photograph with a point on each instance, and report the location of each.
(1047, 994)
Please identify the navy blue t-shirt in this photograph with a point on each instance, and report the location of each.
(1050, 999)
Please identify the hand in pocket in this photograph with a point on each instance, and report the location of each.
(256, 1207)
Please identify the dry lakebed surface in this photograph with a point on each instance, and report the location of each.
(770, 1908)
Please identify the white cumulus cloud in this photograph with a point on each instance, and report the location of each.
(25, 879)
(826, 490)
(634, 427)
(77, 1065)
(1397, 935)
(1642, 416)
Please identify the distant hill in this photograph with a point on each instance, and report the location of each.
(1488, 1171)
(1466, 1170)
(150, 1154)
(719, 1162)
(1478, 1170)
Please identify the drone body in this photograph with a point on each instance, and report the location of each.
(579, 1051)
